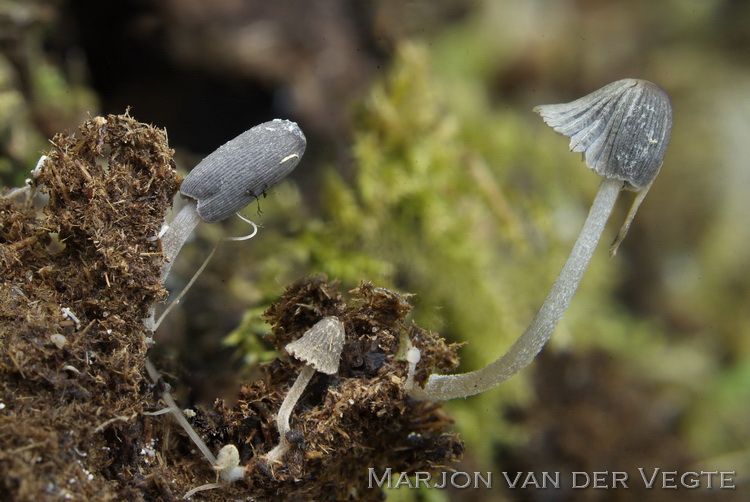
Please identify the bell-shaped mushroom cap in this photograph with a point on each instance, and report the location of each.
(321, 345)
(242, 169)
(622, 129)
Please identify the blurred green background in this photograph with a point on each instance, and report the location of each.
(427, 172)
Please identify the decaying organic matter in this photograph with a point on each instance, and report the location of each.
(76, 280)
(344, 423)
(78, 277)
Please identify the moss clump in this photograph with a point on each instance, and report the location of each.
(75, 283)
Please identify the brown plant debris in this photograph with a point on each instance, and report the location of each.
(78, 277)
(76, 280)
(348, 422)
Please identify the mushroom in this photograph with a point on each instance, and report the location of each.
(413, 355)
(622, 130)
(320, 349)
(227, 469)
(227, 464)
(226, 181)
(233, 176)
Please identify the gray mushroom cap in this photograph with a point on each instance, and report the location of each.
(622, 129)
(321, 345)
(242, 169)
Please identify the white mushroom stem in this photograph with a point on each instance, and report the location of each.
(177, 233)
(173, 237)
(285, 412)
(530, 343)
(177, 413)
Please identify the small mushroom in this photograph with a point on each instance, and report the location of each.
(233, 176)
(227, 469)
(227, 465)
(413, 355)
(320, 348)
(226, 181)
(623, 130)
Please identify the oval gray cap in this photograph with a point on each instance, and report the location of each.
(622, 129)
(242, 169)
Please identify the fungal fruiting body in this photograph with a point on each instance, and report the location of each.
(226, 181)
(623, 130)
(227, 467)
(233, 176)
(320, 349)
(412, 358)
(242, 169)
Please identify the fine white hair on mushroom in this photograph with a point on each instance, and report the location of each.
(622, 129)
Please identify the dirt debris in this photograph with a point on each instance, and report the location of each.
(77, 278)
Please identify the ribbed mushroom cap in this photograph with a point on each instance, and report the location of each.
(242, 169)
(622, 129)
(321, 345)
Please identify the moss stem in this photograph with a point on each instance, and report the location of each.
(530, 343)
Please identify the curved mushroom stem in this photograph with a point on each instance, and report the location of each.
(177, 233)
(285, 412)
(530, 343)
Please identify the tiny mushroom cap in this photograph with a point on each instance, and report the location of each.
(242, 169)
(321, 345)
(228, 464)
(622, 129)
